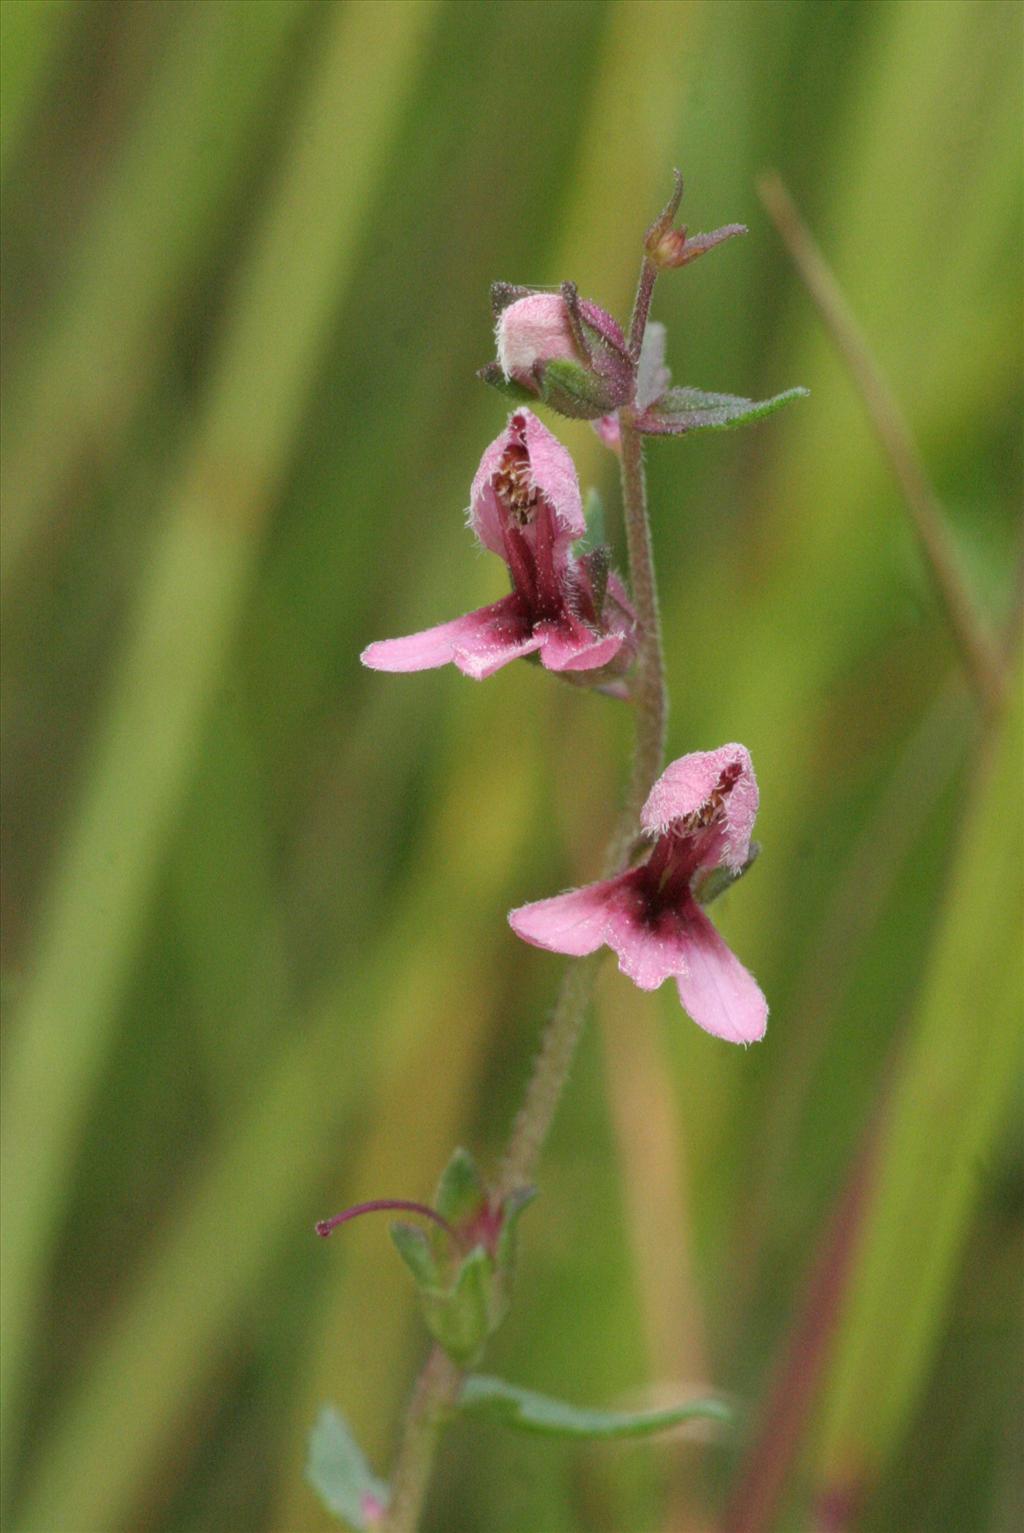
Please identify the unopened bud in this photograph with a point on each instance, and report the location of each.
(534, 331)
(666, 249)
(670, 248)
(561, 348)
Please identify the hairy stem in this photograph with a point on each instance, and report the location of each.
(550, 1073)
(436, 1392)
(438, 1385)
(649, 693)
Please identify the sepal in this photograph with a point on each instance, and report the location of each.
(709, 886)
(514, 1206)
(503, 294)
(677, 248)
(493, 375)
(575, 391)
(667, 247)
(415, 1250)
(598, 567)
(593, 511)
(462, 1316)
(461, 1193)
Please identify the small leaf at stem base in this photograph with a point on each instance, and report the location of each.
(340, 1475)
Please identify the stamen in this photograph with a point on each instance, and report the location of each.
(512, 483)
(381, 1205)
(713, 807)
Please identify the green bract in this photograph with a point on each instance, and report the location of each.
(464, 1282)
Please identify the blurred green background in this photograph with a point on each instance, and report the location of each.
(255, 958)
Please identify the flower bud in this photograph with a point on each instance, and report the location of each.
(671, 248)
(560, 348)
(464, 1271)
(668, 248)
(533, 330)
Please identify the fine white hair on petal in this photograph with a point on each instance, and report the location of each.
(551, 471)
(533, 329)
(691, 783)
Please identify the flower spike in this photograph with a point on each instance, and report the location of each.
(699, 816)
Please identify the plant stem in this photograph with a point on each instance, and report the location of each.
(649, 692)
(438, 1385)
(437, 1389)
(978, 649)
(550, 1073)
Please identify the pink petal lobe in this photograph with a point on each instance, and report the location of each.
(478, 643)
(572, 923)
(649, 950)
(573, 647)
(716, 990)
(689, 784)
(484, 511)
(489, 653)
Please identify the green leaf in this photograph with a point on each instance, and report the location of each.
(339, 1473)
(682, 410)
(460, 1192)
(499, 1401)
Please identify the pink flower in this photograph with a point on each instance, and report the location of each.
(699, 814)
(571, 612)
